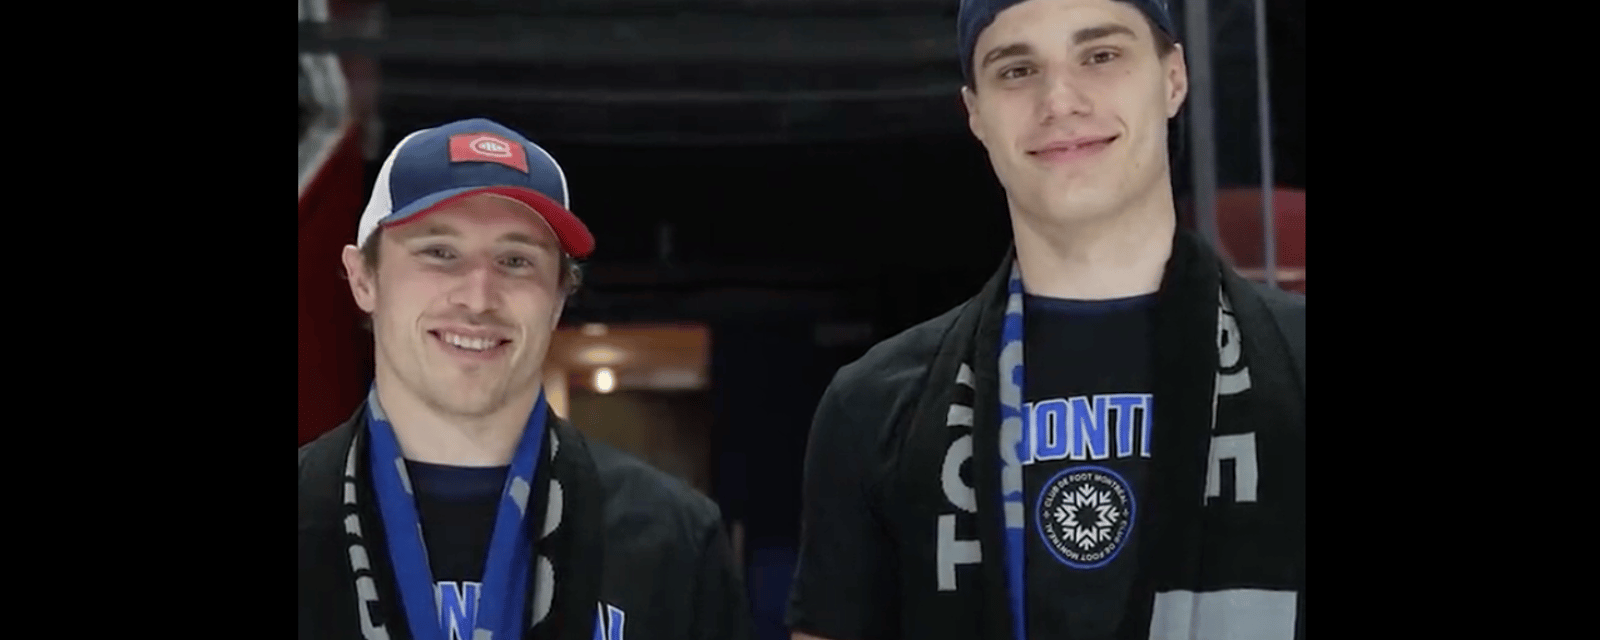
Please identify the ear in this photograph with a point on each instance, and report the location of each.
(1177, 80)
(362, 284)
(561, 308)
(969, 99)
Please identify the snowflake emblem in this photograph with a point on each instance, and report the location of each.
(1086, 516)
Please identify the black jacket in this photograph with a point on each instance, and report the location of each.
(666, 558)
(848, 580)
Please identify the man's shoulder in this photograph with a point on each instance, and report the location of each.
(894, 366)
(1280, 298)
(322, 462)
(1288, 309)
(654, 520)
(327, 448)
(317, 450)
(638, 492)
(317, 445)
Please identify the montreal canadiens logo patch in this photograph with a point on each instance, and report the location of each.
(492, 147)
(483, 147)
(1085, 515)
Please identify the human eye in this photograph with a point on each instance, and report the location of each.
(517, 262)
(1015, 72)
(1101, 56)
(525, 261)
(437, 253)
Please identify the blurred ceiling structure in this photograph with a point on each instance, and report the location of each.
(664, 72)
(738, 157)
(696, 72)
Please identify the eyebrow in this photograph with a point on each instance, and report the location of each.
(449, 232)
(522, 238)
(436, 230)
(1081, 36)
(1008, 51)
(1103, 31)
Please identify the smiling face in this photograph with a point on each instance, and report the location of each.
(1071, 99)
(463, 302)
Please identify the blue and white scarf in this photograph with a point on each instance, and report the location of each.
(540, 578)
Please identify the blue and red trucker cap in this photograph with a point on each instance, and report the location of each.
(434, 167)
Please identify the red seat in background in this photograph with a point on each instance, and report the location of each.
(1239, 226)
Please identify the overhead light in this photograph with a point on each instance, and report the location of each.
(594, 329)
(600, 355)
(604, 380)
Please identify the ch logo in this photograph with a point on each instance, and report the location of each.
(491, 147)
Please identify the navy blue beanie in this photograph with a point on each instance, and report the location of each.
(976, 15)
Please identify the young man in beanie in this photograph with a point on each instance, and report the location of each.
(1105, 442)
(454, 505)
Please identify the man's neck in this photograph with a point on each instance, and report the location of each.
(428, 435)
(1116, 256)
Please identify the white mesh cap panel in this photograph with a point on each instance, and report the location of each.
(381, 204)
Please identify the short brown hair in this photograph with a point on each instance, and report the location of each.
(1164, 41)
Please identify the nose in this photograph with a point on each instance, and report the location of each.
(478, 290)
(1063, 97)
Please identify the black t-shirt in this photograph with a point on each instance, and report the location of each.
(457, 507)
(1088, 385)
(849, 582)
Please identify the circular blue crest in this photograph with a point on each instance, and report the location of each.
(1085, 515)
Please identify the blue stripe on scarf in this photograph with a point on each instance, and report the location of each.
(1011, 429)
(502, 600)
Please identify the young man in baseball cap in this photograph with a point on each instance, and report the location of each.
(454, 505)
(1108, 440)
